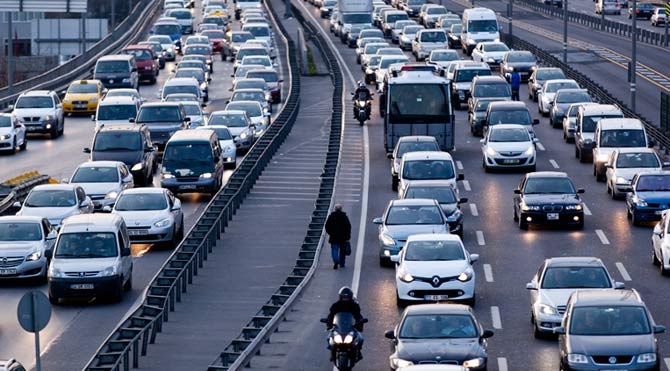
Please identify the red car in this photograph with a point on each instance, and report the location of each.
(147, 61)
(215, 39)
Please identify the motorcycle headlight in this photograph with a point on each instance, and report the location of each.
(387, 240)
(621, 180)
(398, 363)
(109, 271)
(112, 194)
(577, 358)
(349, 338)
(530, 151)
(337, 339)
(34, 256)
(491, 152)
(547, 309)
(466, 275)
(473, 363)
(646, 358)
(206, 175)
(163, 223)
(361, 104)
(55, 272)
(137, 167)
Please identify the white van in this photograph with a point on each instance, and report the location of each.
(479, 25)
(427, 165)
(585, 127)
(115, 111)
(612, 134)
(91, 258)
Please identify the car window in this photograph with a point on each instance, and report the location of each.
(557, 185)
(635, 160)
(96, 174)
(653, 183)
(443, 195)
(509, 135)
(19, 231)
(434, 251)
(117, 141)
(159, 114)
(34, 102)
(437, 326)
(428, 169)
(228, 120)
(622, 138)
(520, 117)
(404, 215)
(609, 321)
(576, 278)
(86, 245)
(51, 198)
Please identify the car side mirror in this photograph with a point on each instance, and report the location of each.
(389, 335)
(474, 258)
(658, 329)
(86, 150)
(176, 206)
(517, 191)
(125, 251)
(559, 330)
(16, 205)
(48, 254)
(107, 209)
(85, 203)
(377, 220)
(581, 190)
(463, 200)
(609, 166)
(619, 285)
(487, 334)
(11, 106)
(395, 258)
(536, 121)
(323, 320)
(531, 286)
(128, 179)
(65, 180)
(460, 177)
(52, 236)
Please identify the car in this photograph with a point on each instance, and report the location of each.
(260, 60)
(426, 267)
(203, 52)
(12, 134)
(398, 27)
(384, 64)
(55, 202)
(82, 96)
(434, 333)
(555, 280)
(488, 87)
(608, 7)
(202, 27)
(11, 365)
(390, 17)
(602, 328)
(370, 50)
(454, 36)
(115, 111)
(363, 32)
(232, 42)
(490, 52)
(221, 22)
(40, 111)
(199, 75)
(624, 163)
(130, 144)
(509, 112)
(446, 21)
(260, 119)
(508, 146)
(426, 41)
(477, 114)
(182, 98)
(252, 83)
(226, 142)
(327, 8)
(541, 75)
(260, 30)
(660, 242)
(521, 61)
(171, 29)
(24, 241)
(649, 196)
(549, 198)
(184, 17)
(146, 61)
(200, 65)
(445, 195)
(407, 144)
(642, 10)
(248, 50)
(215, 38)
(658, 17)
(404, 218)
(153, 215)
(180, 85)
(613, 133)
(442, 57)
(158, 51)
(125, 92)
(562, 100)
(167, 44)
(163, 119)
(239, 125)
(427, 165)
(102, 180)
(407, 35)
(430, 14)
(588, 116)
(461, 80)
(545, 96)
(412, 7)
(256, 95)
(570, 121)
(377, 15)
(363, 42)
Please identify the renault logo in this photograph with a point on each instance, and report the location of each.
(436, 281)
(612, 360)
(82, 274)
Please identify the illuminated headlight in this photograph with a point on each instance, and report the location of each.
(148, 68)
(206, 175)
(525, 207)
(621, 180)
(362, 104)
(466, 275)
(167, 176)
(163, 223)
(55, 272)
(126, 80)
(473, 363)
(454, 216)
(404, 39)
(94, 100)
(530, 151)
(490, 60)
(387, 240)
(137, 167)
(337, 339)
(639, 201)
(109, 271)
(348, 339)
(5, 137)
(547, 309)
(404, 276)
(577, 358)
(646, 358)
(603, 157)
(244, 135)
(34, 256)
(203, 86)
(398, 363)
(112, 195)
(491, 152)
(577, 207)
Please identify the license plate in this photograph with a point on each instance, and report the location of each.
(436, 297)
(187, 186)
(82, 286)
(7, 272)
(137, 232)
(552, 216)
(31, 128)
(510, 162)
(80, 106)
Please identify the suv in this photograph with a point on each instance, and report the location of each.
(130, 144)
(464, 73)
(24, 241)
(146, 60)
(40, 111)
(585, 127)
(163, 119)
(11, 365)
(117, 71)
(608, 329)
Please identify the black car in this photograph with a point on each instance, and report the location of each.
(521, 61)
(608, 330)
(439, 333)
(550, 198)
(454, 36)
(644, 10)
(445, 195)
(163, 119)
(130, 144)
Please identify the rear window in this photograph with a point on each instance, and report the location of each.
(96, 174)
(159, 114)
(112, 67)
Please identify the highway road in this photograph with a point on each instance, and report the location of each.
(508, 256)
(77, 329)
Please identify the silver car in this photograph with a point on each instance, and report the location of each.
(239, 125)
(23, 242)
(153, 215)
(55, 202)
(227, 143)
(556, 280)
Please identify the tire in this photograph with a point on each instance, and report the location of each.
(635, 220)
(576, 152)
(62, 129)
(580, 226)
(54, 133)
(516, 216)
(129, 284)
(118, 295)
(400, 302)
(14, 146)
(664, 272)
(581, 157)
(537, 334)
(152, 80)
(523, 225)
(394, 184)
(654, 258)
(53, 299)
(24, 145)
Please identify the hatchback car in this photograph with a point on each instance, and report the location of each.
(521, 61)
(427, 166)
(545, 95)
(259, 118)
(24, 241)
(238, 124)
(562, 100)
(12, 133)
(102, 181)
(624, 163)
(649, 195)
(490, 52)
(539, 77)
(82, 96)
(55, 202)
(508, 146)
(407, 144)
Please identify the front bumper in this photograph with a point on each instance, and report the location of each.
(85, 107)
(541, 217)
(101, 286)
(151, 234)
(7, 144)
(504, 162)
(592, 366)
(547, 322)
(385, 252)
(41, 127)
(647, 214)
(24, 270)
(176, 185)
(417, 290)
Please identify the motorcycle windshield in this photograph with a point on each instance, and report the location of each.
(344, 322)
(362, 96)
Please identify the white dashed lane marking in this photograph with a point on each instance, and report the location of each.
(603, 238)
(667, 363)
(502, 364)
(541, 148)
(466, 185)
(554, 163)
(495, 318)
(473, 210)
(480, 238)
(459, 165)
(623, 271)
(587, 211)
(488, 273)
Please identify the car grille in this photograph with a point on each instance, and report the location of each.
(96, 197)
(510, 154)
(139, 227)
(552, 208)
(187, 178)
(31, 119)
(422, 293)
(82, 274)
(607, 360)
(432, 280)
(11, 261)
(561, 309)
(651, 204)
(80, 102)
(446, 362)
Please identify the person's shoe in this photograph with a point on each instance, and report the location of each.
(341, 265)
(335, 266)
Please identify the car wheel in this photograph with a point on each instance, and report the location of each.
(523, 225)
(62, 127)
(634, 219)
(53, 299)
(400, 302)
(664, 272)
(394, 184)
(654, 258)
(536, 332)
(580, 225)
(54, 132)
(117, 296)
(129, 284)
(484, 166)
(152, 80)
(24, 145)
(581, 156)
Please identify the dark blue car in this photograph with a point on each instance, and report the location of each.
(649, 196)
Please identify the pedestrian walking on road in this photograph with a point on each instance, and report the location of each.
(515, 83)
(338, 228)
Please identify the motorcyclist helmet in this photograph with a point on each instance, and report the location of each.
(346, 294)
(361, 84)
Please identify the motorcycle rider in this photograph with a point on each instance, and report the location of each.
(368, 97)
(347, 303)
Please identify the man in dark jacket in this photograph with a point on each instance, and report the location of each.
(515, 84)
(338, 228)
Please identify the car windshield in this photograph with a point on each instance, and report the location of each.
(436, 10)
(117, 141)
(247, 52)
(622, 138)
(637, 160)
(178, 89)
(428, 169)
(521, 57)
(392, 18)
(456, 29)
(572, 111)
(252, 110)
(83, 88)
(214, 34)
(609, 321)
(572, 97)
(5, 121)
(231, 121)
(589, 122)
(576, 278)
(140, 54)
(520, 117)
(549, 74)
(181, 14)
(408, 215)
(653, 183)
(241, 37)
(489, 25)
(84, 245)
(443, 195)
(386, 62)
(34, 102)
(257, 96)
(112, 67)
(188, 159)
(416, 2)
(167, 29)
(444, 56)
(509, 135)
(192, 110)
(196, 50)
(553, 87)
(221, 133)
(357, 18)
(140, 201)
(197, 74)
(373, 63)
(482, 105)
(161, 39)
(181, 97)
(405, 147)
(122, 93)
(190, 64)
(250, 84)
(438, 326)
(557, 185)
(96, 174)
(159, 114)
(419, 102)
(448, 22)
(21, 231)
(411, 30)
(51, 198)
(433, 37)
(497, 47)
(466, 75)
(258, 31)
(433, 251)
(492, 90)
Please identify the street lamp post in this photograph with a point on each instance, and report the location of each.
(633, 61)
(565, 31)
(10, 53)
(510, 10)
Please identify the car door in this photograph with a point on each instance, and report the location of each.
(537, 280)
(58, 108)
(175, 209)
(124, 243)
(518, 197)
(19, 132)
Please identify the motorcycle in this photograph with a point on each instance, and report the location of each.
(343, 341)
(362, 107)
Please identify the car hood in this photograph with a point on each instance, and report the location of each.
(655, 197)
(555, 297)
(521, 64)
(416, 350)
(628, 173)
(435, 268)
(143, 217)
(83, 265)
(19, 248)
(465, 85)
(33, 112)
(51, 213)
(587, 135)
(99, 188)
(80, 96)
(510, 146)
(620, 345)
(401, 232)
(129, 158)
(560, 199)
(7, 131)
(495, 55)
(235, 131)
(548, 97)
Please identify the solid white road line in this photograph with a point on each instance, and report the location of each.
(488, 273)
(623, 271)
(362, 226)
(480, 238)
(502, 364)
(539, 146)
(554, 163)
(602, 237)
(466, 185)
(473, 210)
(459, 165)
(587, 211)
(495, 318)
(667, 363)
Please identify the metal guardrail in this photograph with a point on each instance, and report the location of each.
(61, 76)
(17, 188)
(600, 94)
(134, 333)
(241, 350)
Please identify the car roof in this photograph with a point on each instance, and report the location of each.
(472, 65)
(426, 155)
(438, 309)
(17, 218)
(228, 112)
(490, 79)
(33, 93)
(114, 100)
(116, 57)
(504, 105)
(56, 187)
(556, 81)
(583, 298)
(417, 138)
(621, 123)
(507, 126)
(123, 127)
(190, 135)
(414, 202)
(574, 261)
(434, 237)
(87, 222)
(181, 81)
(654, 172)
(635, 150)
(100, 164)
(598, 109)
(161, 104)
(144, 190)
(547, 174)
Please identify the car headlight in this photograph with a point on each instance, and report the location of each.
(49, 118)
(206, 175)
(530, 151)
(525, 207)
(244, 135)
(109, 271)
(621, 180)
(170, 50)
(639, 201)
(163, 223)
(646, 358)
(547, 309)
(137, 167)
(387, 240)
(466, 275)
(55, 272)
(67, 100)
(473, 363)
(603, 157)
(577, 358)
(491, 152)
(5, 137)
(126, 80)
(398, 363)
(112, 194)
(454, 216)
(147, 68)
(404, 276)
(167, 176)
(34, 256)
(490, 60)
(577, 207)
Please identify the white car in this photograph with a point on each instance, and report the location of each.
(125, 92)
(545, 96)
(55, 202)
(24, 241)
(431, 14)
(167, 44)
(428, 165)
(491, 52)
(408, 34)
(227, 143)
(434, 267)
(426, 41)
(12, 133)
(508, 146)
(384, 63)
(238, 124)
(102, 181)
(553, 283)
(624, 163)
(658, 17)
(40, 111)
(259, 117)
(443, 57)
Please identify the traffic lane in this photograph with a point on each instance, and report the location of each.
(589, 8)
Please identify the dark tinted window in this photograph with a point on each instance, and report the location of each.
(188, 159)
(622, 138)
(428, 169)
(428, 102)
(549, 74)
(268, 76)
(572, 97)
(438, 326)
(89, 174)
(608, 321)
(483, 26)
(116, 112)
(228, 120)
(86, 245)
(575, 278)
(443, 195)
(403, 215)
(520, 117)
(51, 198)
(557, 185)
(83, 88)
(492, 90)
(628, 160)
(117, 141)
(21, 231)
(589, 122)
(466, 75)
(167, 29)
(653, 183)
(159, 114)
(521, 57)
(509, 135)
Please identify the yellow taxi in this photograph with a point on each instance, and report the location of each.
(83, 96)
(218, 13)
